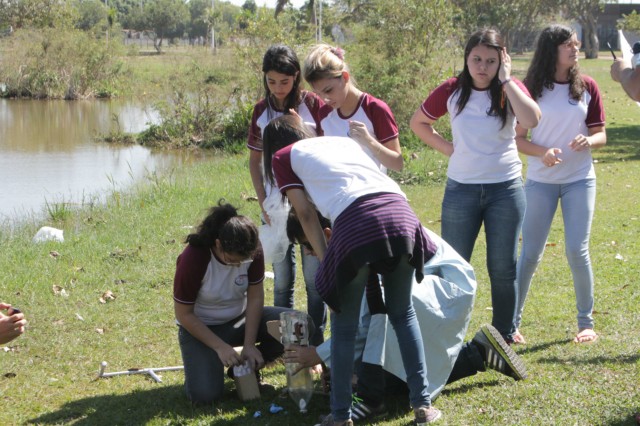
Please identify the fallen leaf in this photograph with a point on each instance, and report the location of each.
(59, 291)
(10, 375)
(79, 269)
(119, 281)
(58, 322)
(100, 330)
(54, 254)
(78, 316)
(107, 295)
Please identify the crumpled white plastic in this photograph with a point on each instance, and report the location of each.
(242, 370)
(273, 237)
(47, 233)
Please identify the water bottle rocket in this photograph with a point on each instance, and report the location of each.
(299, 380)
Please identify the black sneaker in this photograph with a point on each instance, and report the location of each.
(365, 412)
(498, 355)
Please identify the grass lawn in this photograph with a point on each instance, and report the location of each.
(129, 247)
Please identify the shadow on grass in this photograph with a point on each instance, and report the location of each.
(597, 360)
(467, 387)
(530, 349)
(169, 404)
(622, 144)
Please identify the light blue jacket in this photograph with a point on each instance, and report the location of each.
(443, 304)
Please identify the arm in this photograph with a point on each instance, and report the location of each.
(628, 77)
(188, 319)
(306, 213)
(389, 154)
(255, 303)
(257, 178)
(549, 156)
(526, 110)
(597, 138)
(422, 126)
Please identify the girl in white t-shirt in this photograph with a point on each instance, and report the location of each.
(350, 112)
(218, 298)
(560, 167)
(484, 175)
(281, 77)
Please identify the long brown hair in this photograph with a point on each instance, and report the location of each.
(542, 69)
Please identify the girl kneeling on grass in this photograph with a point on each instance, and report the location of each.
(219, 303)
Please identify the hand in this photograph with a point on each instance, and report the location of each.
(550, 158)
(265, 216)
(305, 356)
(618, 66)
(505, 65)
(229, 357)
(253, 356)
(295, 113)
(359, 133)
(11, 326)
(580, 143)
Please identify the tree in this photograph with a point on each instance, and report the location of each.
(631, 22)
(90, 14)
(586, 13)
(162, 19)
(37, 13)
(518, 20)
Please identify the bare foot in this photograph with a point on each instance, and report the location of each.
(585, 335)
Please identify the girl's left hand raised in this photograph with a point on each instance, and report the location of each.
(504, 72)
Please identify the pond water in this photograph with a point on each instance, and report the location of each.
(49, 154)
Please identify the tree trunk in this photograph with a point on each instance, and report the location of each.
(591, 41)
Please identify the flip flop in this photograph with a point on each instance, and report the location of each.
(586, 335)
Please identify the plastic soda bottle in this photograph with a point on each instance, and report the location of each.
(295, 331)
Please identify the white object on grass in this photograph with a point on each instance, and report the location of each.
(47, 233)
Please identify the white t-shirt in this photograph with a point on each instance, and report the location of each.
(562, 120)
(374, 113)
(335, 171)
(483, 150)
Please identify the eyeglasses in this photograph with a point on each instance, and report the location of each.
(570, 44)
(225, 259)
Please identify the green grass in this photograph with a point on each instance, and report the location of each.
(129, 246)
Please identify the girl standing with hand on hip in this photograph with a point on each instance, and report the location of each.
(350, 112)
(484, 184)
(560, 167)
(281, 78)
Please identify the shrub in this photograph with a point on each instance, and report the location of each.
(61, 64)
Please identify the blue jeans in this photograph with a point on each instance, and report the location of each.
(284, 279)
(578, 201)
(402, 316)
(203, 371)
(500, 207)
